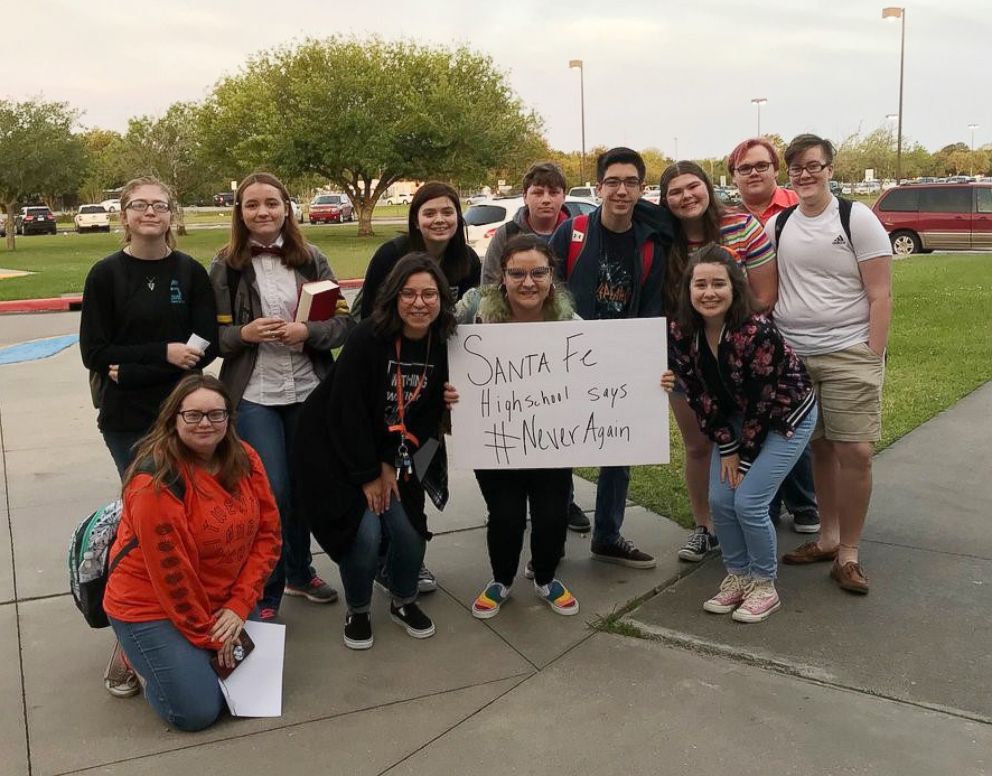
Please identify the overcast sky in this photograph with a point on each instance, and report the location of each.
(655, 70)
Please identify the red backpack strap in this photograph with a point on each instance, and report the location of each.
(580, 225)
(647, 258)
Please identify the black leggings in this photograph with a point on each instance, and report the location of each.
(507, 494)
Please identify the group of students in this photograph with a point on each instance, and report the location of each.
(289, 441)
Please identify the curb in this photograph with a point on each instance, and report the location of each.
(74, 302)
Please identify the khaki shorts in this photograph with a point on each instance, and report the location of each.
(848, 387)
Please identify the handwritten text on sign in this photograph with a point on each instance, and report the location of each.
(559, 394)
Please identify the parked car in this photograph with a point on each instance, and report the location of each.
(224, 199)
(92, 218)
(331, 208)
(297, 209)
(729, 195)
(35, 220)
(111, 205)
(397, 199)
(924, 217)
(584, 192)
(483, 219)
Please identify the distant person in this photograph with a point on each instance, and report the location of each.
(754, 163)
(372, 439)
(271, 362)
(434, 226)
(141, 305)
(618, 271)
(181, 596)
(755, 402)
(527, 294)
(542, 213)
(687, 193)
(834, 309)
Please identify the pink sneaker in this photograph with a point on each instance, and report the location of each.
(759, 602)
(732, 591)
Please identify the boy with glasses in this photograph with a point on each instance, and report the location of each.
(614, 276)
(834, 308)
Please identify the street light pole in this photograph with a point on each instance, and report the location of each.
(577, 64)
(759, 101)
(972, 127)
(894, 12)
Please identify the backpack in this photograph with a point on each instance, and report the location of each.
(89, 548)
(845, 206)
(580, 225)
(99, 380)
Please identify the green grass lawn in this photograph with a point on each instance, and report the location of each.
(940, 349)
(61, 261)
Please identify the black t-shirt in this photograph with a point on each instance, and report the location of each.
(615, 286)
(711, 375)
(417, 368)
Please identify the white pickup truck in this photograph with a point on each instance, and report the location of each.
(92, 218)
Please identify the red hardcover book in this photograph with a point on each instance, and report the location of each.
(318, 301)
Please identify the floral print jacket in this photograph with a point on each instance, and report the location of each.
(769, 385)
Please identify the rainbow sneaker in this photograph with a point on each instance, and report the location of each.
(490, 600)
(556, 595)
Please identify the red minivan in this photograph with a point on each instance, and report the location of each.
(946, 216)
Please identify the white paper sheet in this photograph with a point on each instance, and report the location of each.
(196, 341)
(254, 689)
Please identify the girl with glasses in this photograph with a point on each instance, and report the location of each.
(141, 306)
(192, 568)
(271, 362)
(527, 294)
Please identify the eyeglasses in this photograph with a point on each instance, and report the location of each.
(140, 206)
(192, 417)
(615, 183)
(428, 295)
(795, 170)
(537, 274)
(747, 169)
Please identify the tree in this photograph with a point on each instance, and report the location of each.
(367, 113)
(103, 164)
(39, 154)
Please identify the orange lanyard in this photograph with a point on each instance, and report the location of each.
(401, 400)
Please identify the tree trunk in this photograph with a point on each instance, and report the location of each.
(180, 222)
(10, 226)
(364, 208)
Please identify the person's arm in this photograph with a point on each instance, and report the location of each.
(161, 525)
(876, 274)
(711, 417)
(764, 360)
(228, 333)
(491, 274)
(761, 264)
(468, 306)
(203, 312)
(329, 334)
(265, 552)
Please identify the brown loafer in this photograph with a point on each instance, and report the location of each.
(808, 553)
(850, 577)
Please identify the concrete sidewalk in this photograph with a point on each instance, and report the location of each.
(894, 683)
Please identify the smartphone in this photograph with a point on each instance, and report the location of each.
(242, 649)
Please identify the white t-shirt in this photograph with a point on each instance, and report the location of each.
(822, 306)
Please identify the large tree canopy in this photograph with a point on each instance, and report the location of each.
(366, 113)
(39, 155)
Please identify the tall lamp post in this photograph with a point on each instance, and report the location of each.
(894, 12)
(577, 64)
(972, 127)
(759, 101)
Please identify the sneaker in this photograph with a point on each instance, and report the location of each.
(699, 544)
(556, 595)
(529, 570)
(316, 590)
(732, 592)
(806, 522)
(490, 600)
(426, 581)
(120, 679)
(268, 614)
(623, 553)
(410, 616)
(578, 521)
(760, 601)
(358, 631)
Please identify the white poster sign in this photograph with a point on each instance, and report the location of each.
(559, 394)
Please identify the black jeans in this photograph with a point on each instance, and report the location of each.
(797, 490)
(507, 494)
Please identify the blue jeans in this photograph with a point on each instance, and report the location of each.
(121, 445)
(797, 489)
(611, 501)
(271, 430)
(740, 517)
(404, 555)
(180, 685)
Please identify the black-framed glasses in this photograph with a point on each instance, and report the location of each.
(428, 295)
(537, 274)
(795, 170)
(141, 206)
(747, 169)
(615, 183)
(192, 417)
